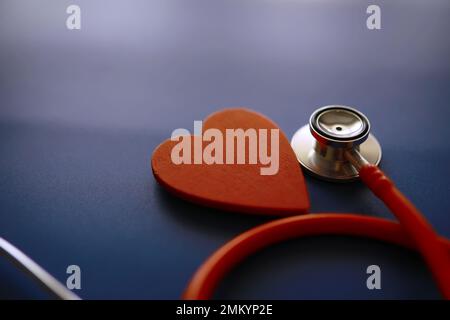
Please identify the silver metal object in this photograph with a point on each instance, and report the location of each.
(36, 271)
(336, 143)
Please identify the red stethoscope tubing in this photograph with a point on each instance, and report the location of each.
(426, 240)
(413, 232)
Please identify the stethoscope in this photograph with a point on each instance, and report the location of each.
(37, 273)
(336, 145)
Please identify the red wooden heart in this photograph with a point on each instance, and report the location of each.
(236, 187)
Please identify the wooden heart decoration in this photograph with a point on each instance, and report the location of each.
(235, 187)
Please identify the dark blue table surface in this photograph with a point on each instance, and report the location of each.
(81, 112)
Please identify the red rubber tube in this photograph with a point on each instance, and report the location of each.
(415, 225)
(212, 271)
(413, 232)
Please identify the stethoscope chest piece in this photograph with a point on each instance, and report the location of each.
(332, 132)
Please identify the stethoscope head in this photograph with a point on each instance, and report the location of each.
(335, 135)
